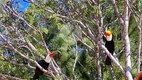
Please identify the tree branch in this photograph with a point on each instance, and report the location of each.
(126, 40)
(117, 13)
(6, 77)
(139, 40)
(17, 64)
(75, 61)
(15, 50)
(113, 59)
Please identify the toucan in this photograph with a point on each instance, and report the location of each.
(138, 76)
(43, 63)
(109, 44)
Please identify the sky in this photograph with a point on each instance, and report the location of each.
(23, 5)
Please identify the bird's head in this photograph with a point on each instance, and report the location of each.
(108, 35)
(52, 54)
(49, 56)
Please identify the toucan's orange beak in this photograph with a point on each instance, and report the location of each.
(52, 54)
(108, 33)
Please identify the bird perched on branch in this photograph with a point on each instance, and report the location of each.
(43, 63)
(109, 44)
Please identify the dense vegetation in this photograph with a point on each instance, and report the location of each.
(74, 29)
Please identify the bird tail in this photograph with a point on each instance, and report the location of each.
(108, 61)
(35, 77)
(38, 72)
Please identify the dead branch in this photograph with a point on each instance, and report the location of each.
(7, 77)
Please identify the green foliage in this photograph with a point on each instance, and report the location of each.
(140, 4)
(9, 69)
(45, 30)
(85, 67)
(58, 37)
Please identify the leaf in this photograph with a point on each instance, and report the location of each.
(58, 77)
(45, 30)
(1, 57)
(140, 3)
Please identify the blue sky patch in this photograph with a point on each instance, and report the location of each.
(22, 4)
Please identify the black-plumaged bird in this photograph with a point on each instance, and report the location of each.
(43, 63)
(109, 45)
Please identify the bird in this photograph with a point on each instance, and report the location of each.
(138, 76)
(44, 63)
(109, 44)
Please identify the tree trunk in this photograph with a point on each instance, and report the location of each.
(139, 42)
(98, 63)
(126, 42)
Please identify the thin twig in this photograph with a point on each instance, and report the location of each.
(76, 58)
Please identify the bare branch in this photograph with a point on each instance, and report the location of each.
(17, 64)
(117, 13)
(75, 61)
(43, 41)
(138, 23)
(113, 59)
(139, 40)
(126, 40)
(4, 77)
